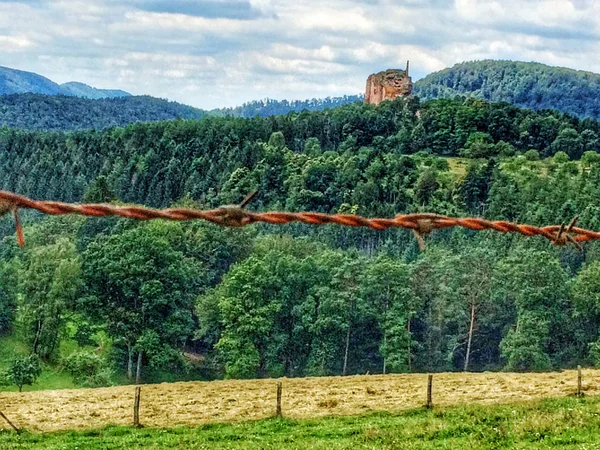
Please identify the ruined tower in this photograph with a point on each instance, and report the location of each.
(388, 85)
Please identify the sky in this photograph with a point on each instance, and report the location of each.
(216, 53)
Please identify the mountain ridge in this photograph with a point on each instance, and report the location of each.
(15, 81)
(77, 89)
(525, 84)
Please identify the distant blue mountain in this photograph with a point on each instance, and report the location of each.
(13, 81)
(83, 90)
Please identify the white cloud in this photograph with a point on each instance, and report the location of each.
(214, 53)
(11, 44)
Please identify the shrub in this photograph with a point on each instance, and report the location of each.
(24, 371)
(532, 155)
(87, 369)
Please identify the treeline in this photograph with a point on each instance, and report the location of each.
(271, 107)
(62, 113)
(66, 113)
(314, 160)
(524, 84)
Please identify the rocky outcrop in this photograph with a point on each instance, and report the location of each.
(388, 85)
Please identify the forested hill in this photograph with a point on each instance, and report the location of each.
(83, 90)
(529, 85)
(525, 84)
(270, 107)
(59, 112)
(300, 300)
(157, 164)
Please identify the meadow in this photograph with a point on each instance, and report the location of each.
(197, 403)
(568, 423)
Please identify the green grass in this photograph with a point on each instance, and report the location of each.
(560, 423)
(10, 348)
(52, 376)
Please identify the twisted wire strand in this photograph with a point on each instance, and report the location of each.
(237, 216)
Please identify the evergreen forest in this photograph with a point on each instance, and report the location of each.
(525, 84)
(63, 113)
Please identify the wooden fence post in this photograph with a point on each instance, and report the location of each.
(136, 407)
(429, 391)
(9, 422)
(579, 392)
(279, 388)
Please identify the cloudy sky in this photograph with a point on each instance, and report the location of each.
(212, 53)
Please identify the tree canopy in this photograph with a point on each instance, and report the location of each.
(161, 300)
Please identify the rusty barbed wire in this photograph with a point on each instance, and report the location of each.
(237, 216)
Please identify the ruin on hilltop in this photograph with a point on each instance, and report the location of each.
(388, 85)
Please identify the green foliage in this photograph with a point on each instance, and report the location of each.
(595, 353)
(61, 113)
(277, 140)
(177, 300)
(271, 107)
(532, 155)
(426, 186)
(522, 348)
(99, 192)
(215, 159)
(261, 305)
(560, 157)
(479, 145)
(536, 283)
(589, 158)
(8, 299)
(88, 369)
(24, 371)
(140, 287)
(525, 84)
(49, 285)
(475, 187)
(386, 290)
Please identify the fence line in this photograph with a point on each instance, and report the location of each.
(320, 407)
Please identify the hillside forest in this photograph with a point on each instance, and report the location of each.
(111, 300)
(525, 84)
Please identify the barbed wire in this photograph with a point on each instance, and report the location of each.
(237, 216)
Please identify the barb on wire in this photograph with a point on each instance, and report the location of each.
(563, 236)
(5, 207)
(238, 216)
(234, 215)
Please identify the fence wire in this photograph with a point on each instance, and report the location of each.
(238, 216)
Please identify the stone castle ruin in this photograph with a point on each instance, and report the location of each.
(388, 85)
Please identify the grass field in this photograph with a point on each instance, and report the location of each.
(567, 423)
(196, 403)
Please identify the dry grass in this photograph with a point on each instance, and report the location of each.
(195, 403)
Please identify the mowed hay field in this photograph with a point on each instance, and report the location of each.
(194, 403)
